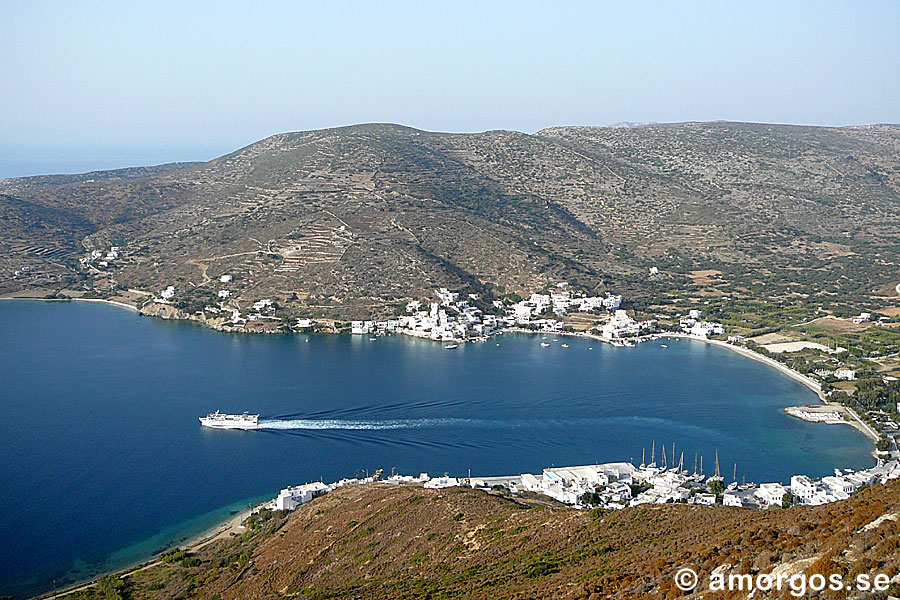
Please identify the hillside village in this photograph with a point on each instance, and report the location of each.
(456, 318)
(619, 485)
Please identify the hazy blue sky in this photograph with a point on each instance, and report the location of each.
(153, 82)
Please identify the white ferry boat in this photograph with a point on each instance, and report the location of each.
(219, 420)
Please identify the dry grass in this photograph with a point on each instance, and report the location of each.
(838, 325)
(406, 542)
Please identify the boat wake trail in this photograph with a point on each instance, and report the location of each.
(319, 424)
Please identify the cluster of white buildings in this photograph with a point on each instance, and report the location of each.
(832, 488)
(559, 302)
(621, 326)
(613, 485)
(165, 296)
(452, 318)
(842, 374)
(828, 489)
(694, 325)
(291, 497)
(297, 495)
(260, 309)
(98, 257)
(845, 374)
(611, 481)
(456, 320)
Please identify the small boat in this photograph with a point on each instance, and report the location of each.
(544, 344)
(564, 345)
(663, 346)
(371, 339)
(591, 348)
(451, 346)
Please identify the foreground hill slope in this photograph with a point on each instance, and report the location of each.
(350, 222)
(379, 541)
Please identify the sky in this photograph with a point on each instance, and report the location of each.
(108, 84)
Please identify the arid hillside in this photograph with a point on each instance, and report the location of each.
(392, 542)
(351, 222)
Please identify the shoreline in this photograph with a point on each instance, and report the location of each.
(795, 375)
(98, 300)
(220, 531)
(856, 422)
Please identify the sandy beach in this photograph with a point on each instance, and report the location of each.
(19, 296)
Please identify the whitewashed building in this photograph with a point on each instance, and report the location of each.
(770, 494)
(845, 374)
(291, 497)
(803, 488)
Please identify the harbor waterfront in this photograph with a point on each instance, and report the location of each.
(132, 388)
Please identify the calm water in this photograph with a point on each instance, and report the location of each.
(104, 461)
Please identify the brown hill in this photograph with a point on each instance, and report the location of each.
(379, 541)
(352, 221)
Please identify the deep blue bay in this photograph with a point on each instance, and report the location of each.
(104, 461)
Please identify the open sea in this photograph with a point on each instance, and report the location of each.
(104, 462)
